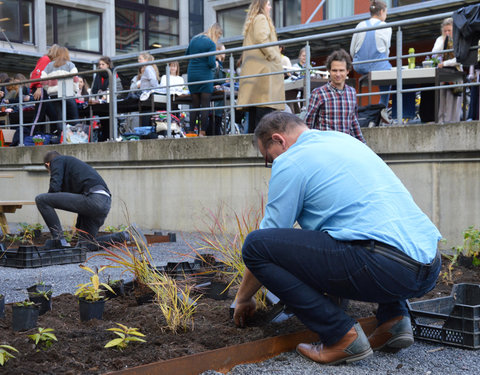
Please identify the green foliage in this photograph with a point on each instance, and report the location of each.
(126, 335)
(93, 290)
(24, 304)
(44, 337)
(113, 229)
(227, 247)
(471, 245)
(5, 354)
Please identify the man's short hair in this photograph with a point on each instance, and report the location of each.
(50, 155)
(339, 55)
(275, 122)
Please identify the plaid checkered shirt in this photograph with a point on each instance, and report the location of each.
(333, 109)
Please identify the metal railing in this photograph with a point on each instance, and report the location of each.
(231, 78)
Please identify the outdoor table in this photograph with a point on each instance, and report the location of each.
(411, 77)
(10, 207)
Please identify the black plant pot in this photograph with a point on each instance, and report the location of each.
(2, 306)
(214, 289)
(91, 309)
(24, 317)
(39, 288)
(40, 300)
(119, 289)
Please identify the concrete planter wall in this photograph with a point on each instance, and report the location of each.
(168, 184)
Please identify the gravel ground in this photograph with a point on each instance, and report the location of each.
(421, 358)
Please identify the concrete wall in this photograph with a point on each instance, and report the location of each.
(169, 184)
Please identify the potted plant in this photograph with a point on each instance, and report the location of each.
(24, 315)
(117, 286)
(38, 139)
(2, 306)
(42, 296)
(90, 295)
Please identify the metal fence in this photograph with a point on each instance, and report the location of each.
(114, 96)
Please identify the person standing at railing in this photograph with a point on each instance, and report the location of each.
(259, 29)
(373, 44)
(62, 65)
(100, 86)
(333, 106)
(201, 69)
(38, 92)
(450, 100)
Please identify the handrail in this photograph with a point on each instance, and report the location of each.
(232, 79)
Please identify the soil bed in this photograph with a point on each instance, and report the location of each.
(80, 347)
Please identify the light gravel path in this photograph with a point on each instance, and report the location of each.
(421, 358)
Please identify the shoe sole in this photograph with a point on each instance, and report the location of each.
(396, 343)
(352, 358)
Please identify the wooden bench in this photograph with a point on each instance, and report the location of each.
(10, 207)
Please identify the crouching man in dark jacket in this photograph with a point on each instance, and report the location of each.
(76, 187)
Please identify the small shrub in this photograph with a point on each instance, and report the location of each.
(126, 334)
(471, 245)
(5, 354)
(44, 337)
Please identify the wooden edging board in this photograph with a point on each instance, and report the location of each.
(224, 359)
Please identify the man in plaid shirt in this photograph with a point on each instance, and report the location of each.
(334, 106)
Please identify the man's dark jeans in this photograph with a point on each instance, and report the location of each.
(300, 266)
(92, 210)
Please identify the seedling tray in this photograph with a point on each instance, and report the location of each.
(34, 257)
(452, 320)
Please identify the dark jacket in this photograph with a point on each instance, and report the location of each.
(101, 82)
(466, 32)
(71, 175)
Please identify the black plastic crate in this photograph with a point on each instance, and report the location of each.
(453, 320)
(34, 257)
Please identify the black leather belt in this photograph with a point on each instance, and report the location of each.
(393, 253)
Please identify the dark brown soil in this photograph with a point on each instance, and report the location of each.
(80, 347)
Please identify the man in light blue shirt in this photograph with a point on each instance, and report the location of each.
(362, 238)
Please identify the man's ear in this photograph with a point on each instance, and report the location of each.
(277, 137)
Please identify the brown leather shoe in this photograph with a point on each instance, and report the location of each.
(393, 335)
(352, 347)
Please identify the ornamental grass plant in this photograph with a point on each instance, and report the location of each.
(225, 246)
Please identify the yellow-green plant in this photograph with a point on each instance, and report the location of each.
(44, 337)
(226, 247)
(175, 302)
(24, 303)
(5, 354)
(114, 229)
(127, 334)
(471, 245)
(91, 291)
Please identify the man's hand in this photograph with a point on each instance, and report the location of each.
(243, 310)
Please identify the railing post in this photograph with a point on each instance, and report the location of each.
(399, 77)
(112, 103)
(307, 75)
(64, 110)
(169, 103)
(20, 113)
(232, 94)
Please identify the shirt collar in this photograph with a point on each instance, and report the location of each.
(333, 88)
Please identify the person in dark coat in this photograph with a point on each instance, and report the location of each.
(76, 187)
(201, 69)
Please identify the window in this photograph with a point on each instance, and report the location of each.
(339, 8)
(75, 29)
(287, 12)
(195, 16)
(145, 24)
(16, 19)
(232, 20)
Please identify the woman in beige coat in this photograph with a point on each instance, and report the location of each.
(259, 29)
